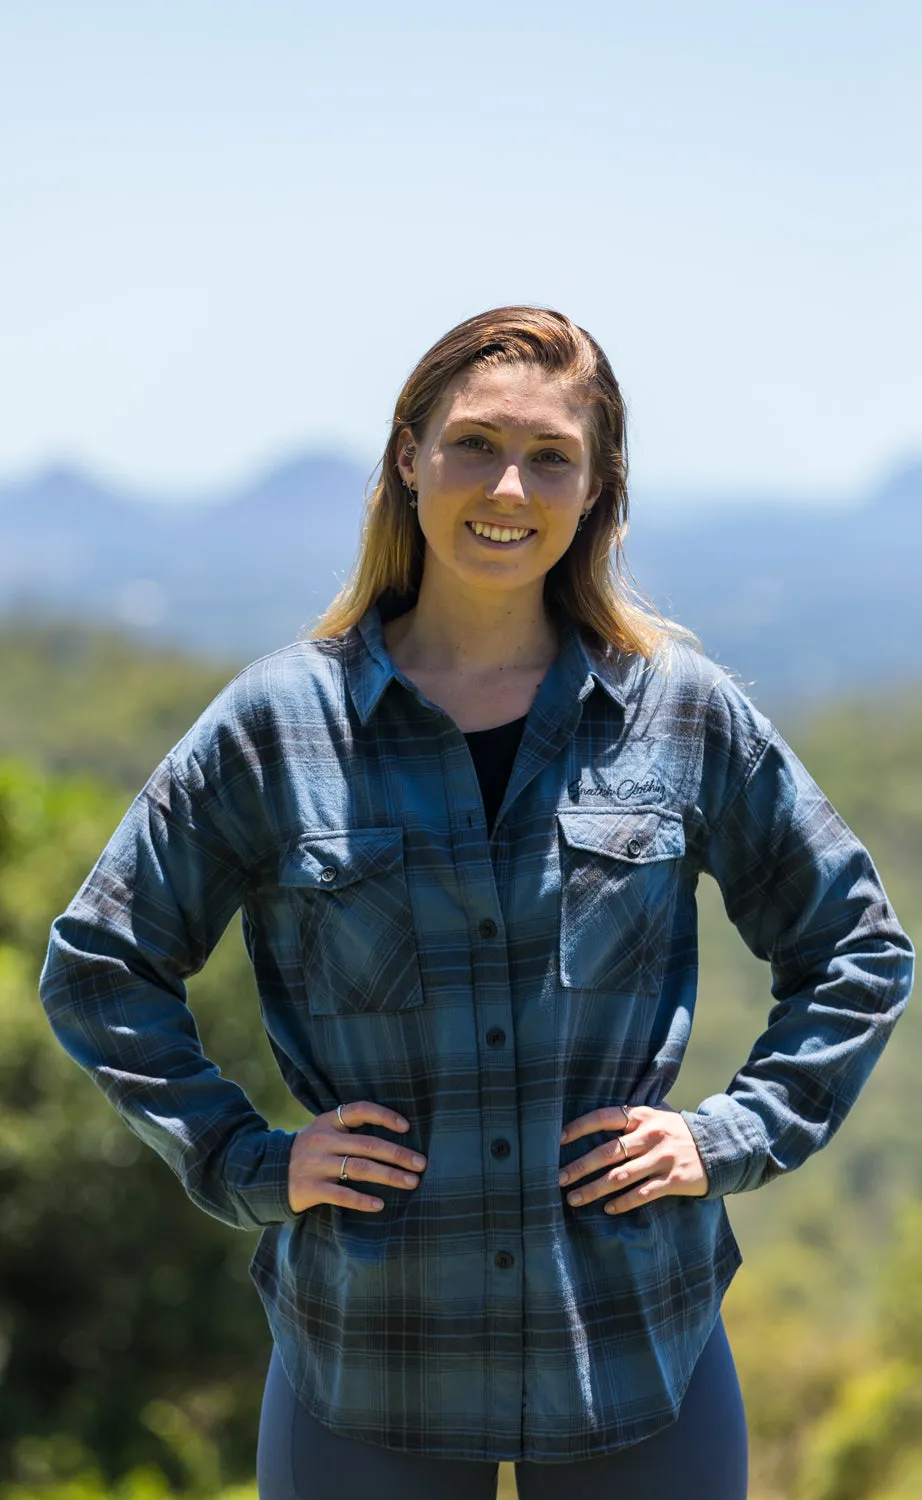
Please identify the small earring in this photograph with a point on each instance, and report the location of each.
(412, 495)
(582, 518)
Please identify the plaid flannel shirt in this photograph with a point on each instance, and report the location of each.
(489, 989)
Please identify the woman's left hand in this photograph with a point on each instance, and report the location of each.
(662, 1157)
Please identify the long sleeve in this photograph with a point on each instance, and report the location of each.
(146, 918)
(805, 896)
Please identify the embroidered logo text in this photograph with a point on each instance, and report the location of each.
(626, 790)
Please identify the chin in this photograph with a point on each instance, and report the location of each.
(496, 576)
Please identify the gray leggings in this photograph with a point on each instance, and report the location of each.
(702, 1455)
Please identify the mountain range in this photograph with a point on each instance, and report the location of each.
(800, 600)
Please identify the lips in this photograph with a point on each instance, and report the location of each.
(503, 534)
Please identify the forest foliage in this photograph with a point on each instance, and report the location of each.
(133, 1347)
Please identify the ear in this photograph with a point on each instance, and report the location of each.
(595, 490)
(406, 456)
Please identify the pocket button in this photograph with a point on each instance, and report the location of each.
(634, 847)
(328, 873)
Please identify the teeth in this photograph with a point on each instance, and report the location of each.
(500, 533)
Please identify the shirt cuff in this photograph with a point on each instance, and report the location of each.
(731, 1143)
(256, 1178)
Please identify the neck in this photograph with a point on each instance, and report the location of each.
(454, 628)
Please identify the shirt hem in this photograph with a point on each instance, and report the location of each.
(585, 1444)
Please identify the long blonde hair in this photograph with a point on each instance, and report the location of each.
(589, 584)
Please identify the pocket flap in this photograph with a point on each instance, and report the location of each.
(328, 861)
(634, 836)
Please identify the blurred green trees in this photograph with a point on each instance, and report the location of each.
(133, 1347)
(116, 1294)
(86, 698)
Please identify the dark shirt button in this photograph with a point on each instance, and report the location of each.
(328, 873)
(495, 1036)
(504, 1260)
(488, 928)
(634, 847)
(500, 1148)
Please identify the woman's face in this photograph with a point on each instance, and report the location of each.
(502, 474)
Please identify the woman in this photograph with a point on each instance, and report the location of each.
(465, 822)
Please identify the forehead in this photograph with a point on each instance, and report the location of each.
(519, 395)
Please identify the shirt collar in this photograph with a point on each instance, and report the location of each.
(370, 668)
(592, 667)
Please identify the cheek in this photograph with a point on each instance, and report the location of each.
(451, 473)
(562, 504)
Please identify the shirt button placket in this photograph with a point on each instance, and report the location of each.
(504, 1311)
(503, 1193)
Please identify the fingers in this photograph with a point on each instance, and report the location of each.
(346, 1197)
(609, 1117)
(378, 1150)
(361, 1169)
(318, 1156)
(651, 1187)
(675, 1174)
(610, 1154)
(319, 1179)
(657, 1156)
(632, 1154)
(364, 1149)
(364, 1112)
(618, 1176)
(603, 1187)
(641, 1137)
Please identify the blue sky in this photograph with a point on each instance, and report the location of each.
(229, 230)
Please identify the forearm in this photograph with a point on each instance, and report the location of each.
(137, 1039)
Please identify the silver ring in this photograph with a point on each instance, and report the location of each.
(343, 1177)
(627, 1118)
(623, 1147)
(339, 1116)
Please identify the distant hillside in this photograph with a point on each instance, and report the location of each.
(802, 601)
(805, 601)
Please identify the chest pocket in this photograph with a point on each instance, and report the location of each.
(619, 875)
(354, 921)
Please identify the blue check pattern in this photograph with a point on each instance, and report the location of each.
(489, 989)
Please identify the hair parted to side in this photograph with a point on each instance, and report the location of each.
(589, 584)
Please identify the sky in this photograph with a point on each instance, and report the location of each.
(228, 231)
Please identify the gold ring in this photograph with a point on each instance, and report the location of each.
(623, 1147)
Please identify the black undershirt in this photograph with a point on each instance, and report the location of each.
(493, 752)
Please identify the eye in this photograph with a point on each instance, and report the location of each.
(560, 458)
(475, 438)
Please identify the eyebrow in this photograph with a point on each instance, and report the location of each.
(541, 437)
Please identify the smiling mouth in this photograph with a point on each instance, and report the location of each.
(506, 536)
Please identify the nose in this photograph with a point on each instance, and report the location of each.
(510, 487)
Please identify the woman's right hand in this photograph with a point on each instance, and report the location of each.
(317, 1156)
